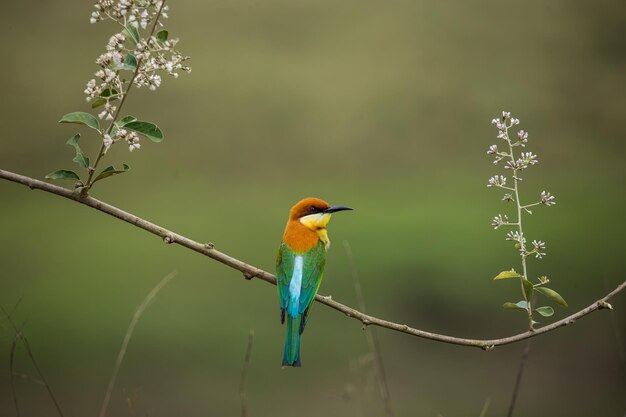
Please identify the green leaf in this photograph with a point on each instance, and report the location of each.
(149, 130)
(131, 33)
(63, 174)
(522, 305)
(108, 92)
(80, 157)
(125, 120)
(110, 170)
(98, 102)
(130, 63)
(545, 311)
(550, 293)
(83, 118)
(120, 124)
(507, 274)
(162, 35)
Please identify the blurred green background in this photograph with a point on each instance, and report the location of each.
(383, 106)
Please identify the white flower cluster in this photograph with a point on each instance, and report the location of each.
(547, 199)
(538, 246)
(497, 181)
(130, 137)
(499, 220)
(526, 159)
(151, 55)
(516, 163)
(138, 13)
(145, 57)
(158, 55)
(516, 237)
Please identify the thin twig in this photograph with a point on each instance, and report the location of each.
(131, 328)
(244, 374)
(11, 361)
(249, 271)
(486, 405)
(29, 352)
(370, 335)
(129, 402)
(518, 379)
(619, 339)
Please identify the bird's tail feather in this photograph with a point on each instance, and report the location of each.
(291, 356)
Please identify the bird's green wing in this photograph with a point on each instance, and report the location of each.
(284, 272)
(313, 270)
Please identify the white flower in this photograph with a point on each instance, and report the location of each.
(547, 199)
(516, 237)
(493, 149)
(154, 81)
(107, 142)
(506, 114)
(144, 19)
(529, 158)
(92, 90)
(499, 220)
(116, 57)
(108, 111)
(497, 181)
(515, 165)
(131, 138)
(522, 136)
(116, 42)
(538, 247)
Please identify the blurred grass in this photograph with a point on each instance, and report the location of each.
(381, 106)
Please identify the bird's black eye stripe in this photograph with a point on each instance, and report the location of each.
(314, 209)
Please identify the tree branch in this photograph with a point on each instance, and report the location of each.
(250, 271)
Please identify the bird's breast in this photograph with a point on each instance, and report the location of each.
(300, 238)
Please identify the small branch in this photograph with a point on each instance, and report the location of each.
(129, 333)
(486, 405)
(518, 379)
(19, 336)
(244, 375)
(208, 249)
(92, 170)
(11, 361)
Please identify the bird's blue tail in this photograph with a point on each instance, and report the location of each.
(291, 356)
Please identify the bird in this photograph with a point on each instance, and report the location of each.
(300, 267)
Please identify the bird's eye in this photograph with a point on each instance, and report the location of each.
(312, 209)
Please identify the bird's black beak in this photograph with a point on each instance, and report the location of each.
(333, 209)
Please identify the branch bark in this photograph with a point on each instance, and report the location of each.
(250, 271)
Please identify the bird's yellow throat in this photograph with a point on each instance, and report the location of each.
(317, 222)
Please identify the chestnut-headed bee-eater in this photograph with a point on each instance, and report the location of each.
(300, 267)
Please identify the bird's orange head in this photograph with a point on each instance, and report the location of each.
(307, 224)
